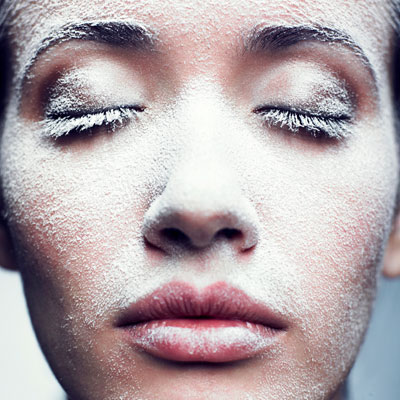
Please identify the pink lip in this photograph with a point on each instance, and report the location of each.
(219, 324)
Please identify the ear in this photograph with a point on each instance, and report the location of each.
(391, 261)
(7, 258)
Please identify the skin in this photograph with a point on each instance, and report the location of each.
(321, 210)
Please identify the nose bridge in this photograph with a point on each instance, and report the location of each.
(204, 164)
(204, 113)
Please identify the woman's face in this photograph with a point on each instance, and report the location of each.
(200, 193)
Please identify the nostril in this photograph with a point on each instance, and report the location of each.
(172, 228)
(230, 233)
(174, 235)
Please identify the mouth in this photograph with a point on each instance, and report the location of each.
(219, 324)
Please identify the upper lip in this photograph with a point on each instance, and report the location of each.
(177, 300)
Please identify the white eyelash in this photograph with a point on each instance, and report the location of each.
(314, 125)
(58, 126)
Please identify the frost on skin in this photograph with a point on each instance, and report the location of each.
(295, 122)
(77, 212)
(58, 126)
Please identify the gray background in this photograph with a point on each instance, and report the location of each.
(24, 374)
(376, 374)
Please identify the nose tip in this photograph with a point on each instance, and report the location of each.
(169, 228)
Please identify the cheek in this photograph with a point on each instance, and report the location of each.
(339, 259)
(77, 215)
(335, 236)
(326, 214)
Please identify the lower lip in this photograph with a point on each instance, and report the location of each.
(203, 340)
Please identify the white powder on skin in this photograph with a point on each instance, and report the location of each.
(210, 340)
(89, 86)
(322, 213)
(64, 126)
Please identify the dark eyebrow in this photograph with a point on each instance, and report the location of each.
(274, 38)
(113, 33)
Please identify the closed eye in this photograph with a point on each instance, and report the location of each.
(318, 126)
(68, 122)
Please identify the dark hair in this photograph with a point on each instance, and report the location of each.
(396, 63)
(5, 65)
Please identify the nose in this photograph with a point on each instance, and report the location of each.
(200, 205)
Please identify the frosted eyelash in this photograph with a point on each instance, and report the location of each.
(58, 125)
(317, 126)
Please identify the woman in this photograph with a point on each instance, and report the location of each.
(199, 196)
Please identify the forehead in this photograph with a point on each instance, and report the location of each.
(204, 29)
(194, 14)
